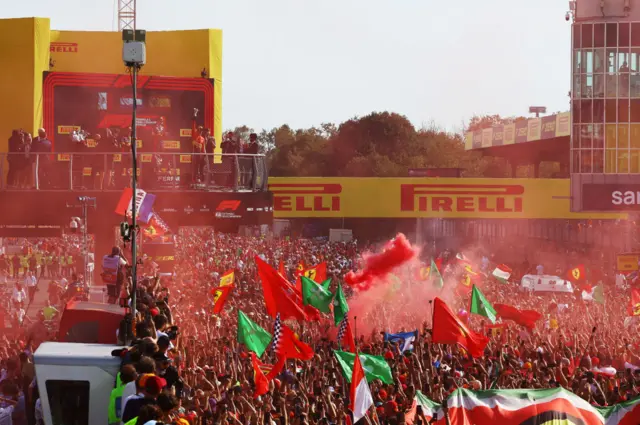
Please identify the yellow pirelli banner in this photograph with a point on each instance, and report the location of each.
(424, 197)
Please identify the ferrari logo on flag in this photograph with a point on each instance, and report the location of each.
(216, 296)
(151, 231)
(466, 280)
(636, 309)
(311, 274)
(576, 274)
(300, 267)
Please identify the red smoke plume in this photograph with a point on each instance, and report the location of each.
(376, 266)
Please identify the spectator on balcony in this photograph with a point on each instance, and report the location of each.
(42, 147)
(199, 136)
(230, 146)
(25, 179)
(16, 146)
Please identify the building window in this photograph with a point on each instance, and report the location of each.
(69, 402)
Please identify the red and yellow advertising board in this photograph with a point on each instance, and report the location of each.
(424, 197)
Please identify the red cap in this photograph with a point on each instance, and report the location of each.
(154, 385)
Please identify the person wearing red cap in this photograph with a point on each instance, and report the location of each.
(150, 390)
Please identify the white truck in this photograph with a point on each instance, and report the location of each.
(75, 382)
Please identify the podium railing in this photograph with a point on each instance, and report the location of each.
(112, 171)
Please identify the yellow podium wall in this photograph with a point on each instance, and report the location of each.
(29, 43)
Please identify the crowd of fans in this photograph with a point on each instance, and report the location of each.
(188, 367)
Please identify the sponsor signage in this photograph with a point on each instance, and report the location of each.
(610, 197)
(57, 47)
(68, 129)
(424, 197)
(521, 131)
(171, 144)
(185, 132)
(628, 262)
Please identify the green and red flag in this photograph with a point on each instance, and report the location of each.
(429, 409)
(533, 407)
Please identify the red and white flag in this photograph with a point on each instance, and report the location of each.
(361, 399)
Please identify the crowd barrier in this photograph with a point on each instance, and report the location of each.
(113, 171)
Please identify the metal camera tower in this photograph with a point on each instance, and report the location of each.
(126, 15)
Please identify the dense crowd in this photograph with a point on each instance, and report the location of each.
(188, 367)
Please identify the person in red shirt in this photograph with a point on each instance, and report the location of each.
(199, 137)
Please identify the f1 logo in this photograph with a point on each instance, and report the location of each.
(228, 205)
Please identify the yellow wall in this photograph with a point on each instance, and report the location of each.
(354, 197)
(24, 56)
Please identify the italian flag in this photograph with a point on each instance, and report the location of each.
(524, 407)
(361, 399)
(502, 273)
(594, 294)
(430, 409)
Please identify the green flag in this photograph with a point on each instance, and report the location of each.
(340, 306)
(375, 367)
(315, 295)
(326, 284)
(480, 305)
(252, 335)
(436, 277)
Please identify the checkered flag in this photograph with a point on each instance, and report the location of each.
(160, 222)
(342, 330)
(277, 334)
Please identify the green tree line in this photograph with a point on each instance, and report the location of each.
(381, 144)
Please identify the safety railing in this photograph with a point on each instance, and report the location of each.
(113, 171)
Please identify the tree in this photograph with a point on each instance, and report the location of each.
(381, 144)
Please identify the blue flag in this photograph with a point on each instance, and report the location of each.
(404, 339)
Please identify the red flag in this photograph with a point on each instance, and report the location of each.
(527, 318)
(316, 273)
(259, 379)
(220, 298)
(577, 274)
(279, 297)
(468, 279)
(497, 330)
(287, 345)
(344, 334)
(281, 269)
(448, 329)
(299, 269)
(634, 305)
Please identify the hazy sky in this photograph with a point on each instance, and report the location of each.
(303, 62)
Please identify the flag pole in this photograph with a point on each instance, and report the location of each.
(355, 331)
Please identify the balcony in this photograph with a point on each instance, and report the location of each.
(159, 172)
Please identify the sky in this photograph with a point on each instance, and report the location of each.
(305, 62)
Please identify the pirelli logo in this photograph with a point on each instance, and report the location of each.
(185, 132)
(56, 47)
(306, 197)
(461, 198)
(164, 258)
(68, 129)
(171, 144)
